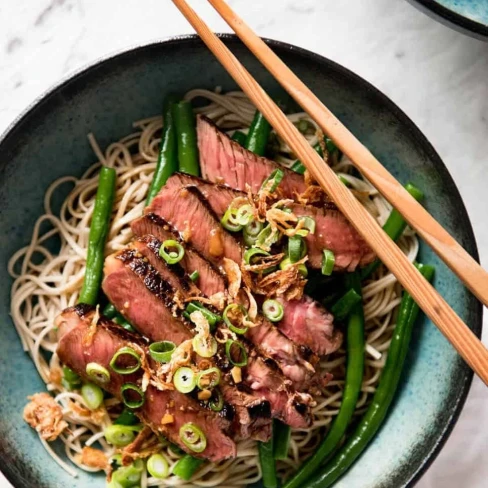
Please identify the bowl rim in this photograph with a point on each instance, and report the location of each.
(452, 19)
(477, 324)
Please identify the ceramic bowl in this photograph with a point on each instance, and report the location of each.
(468, 16)
(49, 141)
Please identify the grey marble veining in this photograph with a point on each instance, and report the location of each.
(437, 76)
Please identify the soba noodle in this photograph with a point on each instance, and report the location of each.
(46, 283)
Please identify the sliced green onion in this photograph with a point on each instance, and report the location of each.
(276, 176)
(273, 310)
(71, 380)
(127, 417)
(302, 125)
(296, 248)
(286, 263)
(250, 254)
(236, 353)
(212, 318)
(216, 403)
(184, 380)
(187, 466)
(228, 222)
(253, 228)
(232, 309)
(157, 466)
(344, 181)
(127, 353)
(205, 347)
(266, 236)
(308, 223)
(127, 476)
(251, 232)
(171, 251)
(195, 275)
(193, 437)
(93, 395)
(162, 351)
(97, 373)
(120, 435)
(244, 215)
(298, 168)
(208, 378)
(130, 388)
(328, 262)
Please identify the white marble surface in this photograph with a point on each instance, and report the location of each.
(437, 76)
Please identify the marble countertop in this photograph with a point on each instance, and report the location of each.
(437, 76)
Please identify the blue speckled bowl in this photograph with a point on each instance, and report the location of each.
(49, 141)
(468, 16)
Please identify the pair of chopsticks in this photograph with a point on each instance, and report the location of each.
(429, 300)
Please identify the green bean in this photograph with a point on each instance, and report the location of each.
(258, 135)
(168, 152)
(239, 137)
(187, 466)
(394, 227)
(354, 379)
(109, 311)
(127, 417)
(186, 137)
(281, 439)
(377, 410)
(342, 307)
(99, 228)
(267, 462)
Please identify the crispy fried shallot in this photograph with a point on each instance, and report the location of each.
(44, 415)
(93, 458)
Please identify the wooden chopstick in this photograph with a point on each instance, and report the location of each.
(456, 331)
(448, 249)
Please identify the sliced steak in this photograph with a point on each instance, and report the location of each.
(136, 289)
(142, 296)
(147, 258)
(74, 351)
(223, 160)
(210, 280)
(218, 197)
(309, 324)
(187, 210)
(333, 231)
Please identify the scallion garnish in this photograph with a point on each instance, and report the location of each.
(205, 347)
(129, 390)
(162, 351)
(92, 395)
(208, 378)
(126, 354)
(308, 224)
(296, 248)
(244, 215)
(228, 221)
(157, 466)
(236, 353)
(120, 435)
(97, 373)
(195, 275)
(71, 380)
(252, 253)
(193, 437)
(233, 314)
(184, 380)
(212, 318)
(171, 251)
(328, 262)
(216, 403)
(273, 310)
(267, 236)
(276, 176)
(126, 476)
(251, 231)
(286, 263)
